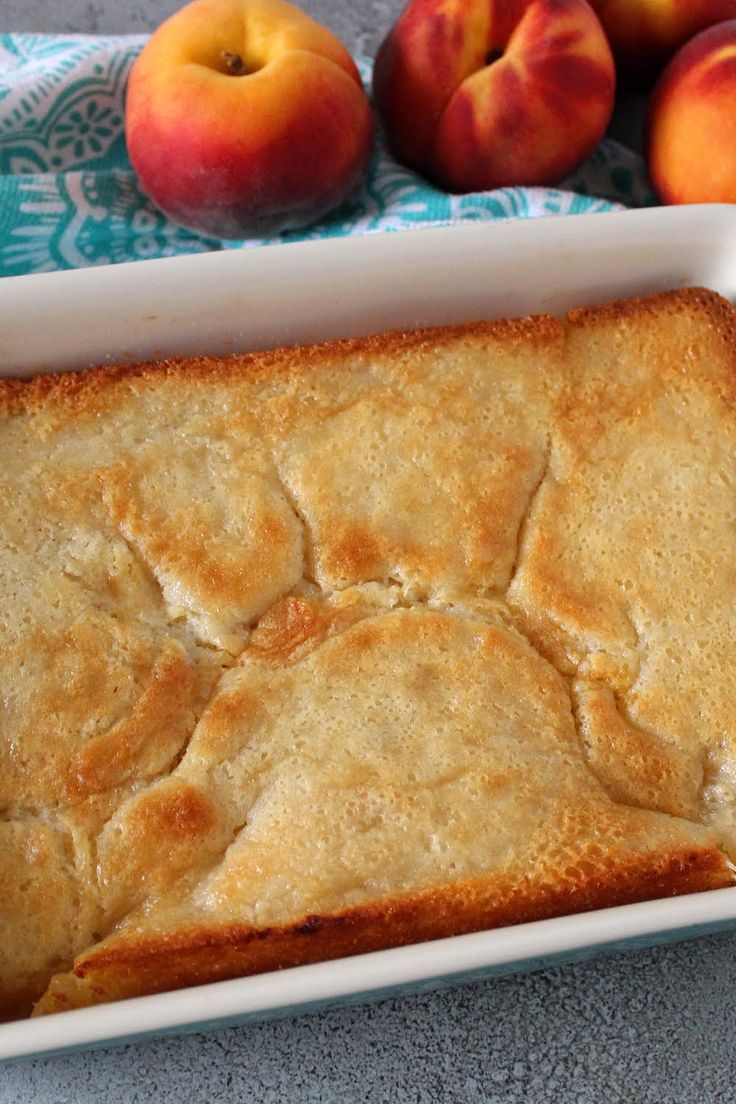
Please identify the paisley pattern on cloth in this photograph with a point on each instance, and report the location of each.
(68, 196)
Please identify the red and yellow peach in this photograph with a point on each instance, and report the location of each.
(691, 142)
(644, 33)
(245, 117)
(478, 94)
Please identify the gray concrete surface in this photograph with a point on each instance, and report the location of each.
(360, 24)
(655, 1026)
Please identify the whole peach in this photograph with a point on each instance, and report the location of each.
(478, 94)
(245, 117)
(644, 33)
(691, 139)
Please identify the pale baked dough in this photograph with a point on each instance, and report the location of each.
(321, 650)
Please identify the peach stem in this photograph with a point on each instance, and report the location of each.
(235, 64)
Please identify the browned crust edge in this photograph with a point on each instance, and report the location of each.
(18, 395)
(719, 310)
(136, 965)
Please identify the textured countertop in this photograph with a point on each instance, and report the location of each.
(647, 1026)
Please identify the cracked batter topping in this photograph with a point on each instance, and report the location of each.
(316, 651)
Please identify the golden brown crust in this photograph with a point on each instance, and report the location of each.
(635, 767)
(713, 314)
(83, 388)
(502, 777)
(625, 579)
(686, 300)
(345, 596)
(176, 960)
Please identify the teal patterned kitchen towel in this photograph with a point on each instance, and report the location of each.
(68, 196)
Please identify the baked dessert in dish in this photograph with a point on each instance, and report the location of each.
(323, 650)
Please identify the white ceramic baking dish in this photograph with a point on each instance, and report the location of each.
(306, 292)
